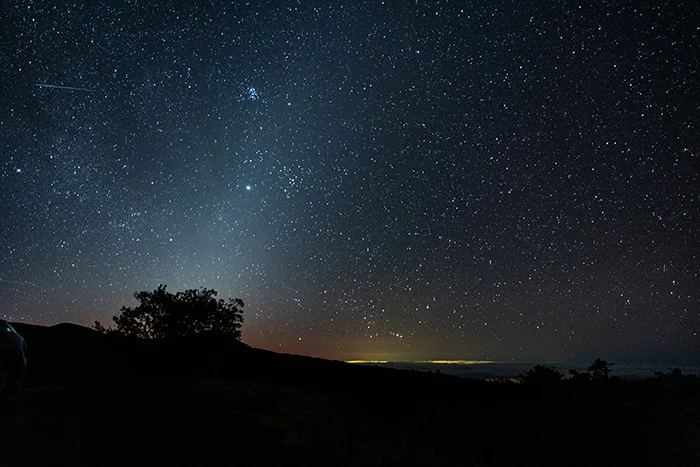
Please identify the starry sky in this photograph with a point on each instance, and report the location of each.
(376, 180)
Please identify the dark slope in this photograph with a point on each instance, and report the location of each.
(211, 399)
(69, 354)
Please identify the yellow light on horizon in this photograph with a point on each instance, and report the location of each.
(456, 362)
(434, 362)
(366, 361)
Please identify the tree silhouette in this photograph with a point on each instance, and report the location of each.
(600, 366)
(162, 314)
(101, 329)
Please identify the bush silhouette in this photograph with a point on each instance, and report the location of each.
(599, 367)
(540, 375)
(161, 314)
(576, 376)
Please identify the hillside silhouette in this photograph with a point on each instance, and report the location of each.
(101, 399)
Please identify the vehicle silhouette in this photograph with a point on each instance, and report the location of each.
(13, 358)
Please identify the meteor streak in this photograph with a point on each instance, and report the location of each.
(7, 281)
(55, 86)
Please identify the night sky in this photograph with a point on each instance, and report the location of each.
(377, 180)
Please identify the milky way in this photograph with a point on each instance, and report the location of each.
(480, 180)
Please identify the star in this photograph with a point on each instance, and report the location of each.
(416, 176)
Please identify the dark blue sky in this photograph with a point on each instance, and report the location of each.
(503, 180)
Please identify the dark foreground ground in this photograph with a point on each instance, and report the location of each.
(95, 400)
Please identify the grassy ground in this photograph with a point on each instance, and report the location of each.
(215, 422)
(197, 423)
